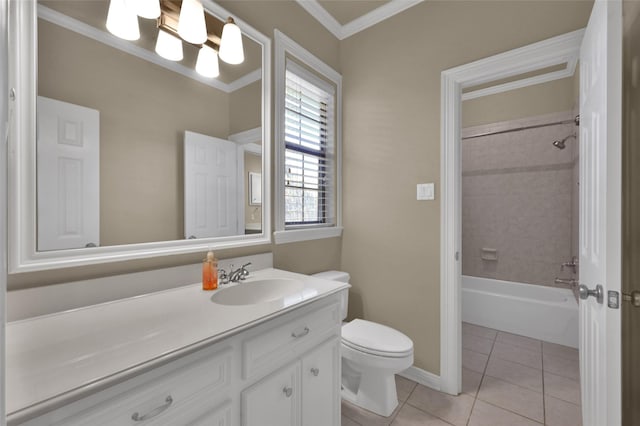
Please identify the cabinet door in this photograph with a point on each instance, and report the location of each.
(321, 385)
(275, 400)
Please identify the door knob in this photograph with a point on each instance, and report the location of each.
(598, 293)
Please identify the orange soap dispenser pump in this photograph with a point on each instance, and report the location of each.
(210, 272)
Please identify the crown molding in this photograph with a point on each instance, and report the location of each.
(567, 47)
(376, 16)
(316, 10)
(108, 39)
(365, 21)
(251, 136)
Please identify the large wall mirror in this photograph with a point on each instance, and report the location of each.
(119, 153)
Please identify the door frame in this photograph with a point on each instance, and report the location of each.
(563, 49)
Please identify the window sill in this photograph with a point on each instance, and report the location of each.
(294, 235)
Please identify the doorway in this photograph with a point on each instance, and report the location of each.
(519, 201)
(600, 203)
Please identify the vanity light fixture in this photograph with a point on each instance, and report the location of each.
(231, 49)
(177, 22)
(191, 25)
(148, 9)
(122, 20)
(207, 63)
(169, 46)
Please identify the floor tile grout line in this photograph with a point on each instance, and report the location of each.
(427, 412)
(484, 372)
(397, 412)
(493, 404)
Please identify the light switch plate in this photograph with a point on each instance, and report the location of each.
(425, 191)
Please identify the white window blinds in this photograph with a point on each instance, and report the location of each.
(309, 124)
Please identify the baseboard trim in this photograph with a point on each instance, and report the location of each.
(421, 376)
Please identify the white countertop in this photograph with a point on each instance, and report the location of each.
(57, 358)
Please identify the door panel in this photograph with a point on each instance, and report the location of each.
(68, 174)
(320, 385)
(210, 186)
(600, 212)
(274, 401)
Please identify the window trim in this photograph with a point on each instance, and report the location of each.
(286, 47)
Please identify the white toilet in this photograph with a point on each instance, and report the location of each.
(371, 356)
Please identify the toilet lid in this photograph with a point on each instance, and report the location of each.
(376, 338)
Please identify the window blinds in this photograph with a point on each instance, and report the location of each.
(309, 150)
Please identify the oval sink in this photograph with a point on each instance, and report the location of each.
(258, 291)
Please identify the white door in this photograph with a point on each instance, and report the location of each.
(600, 212)
(210, 192)
(68, 175)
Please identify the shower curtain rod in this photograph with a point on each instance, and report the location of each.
(575, 121)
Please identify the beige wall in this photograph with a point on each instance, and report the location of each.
(391, 142)
(307, 257)
(546, 98)
(245, 108)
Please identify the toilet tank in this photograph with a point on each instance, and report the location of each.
(342, 277)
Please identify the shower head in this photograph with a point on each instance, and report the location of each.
(560, 144)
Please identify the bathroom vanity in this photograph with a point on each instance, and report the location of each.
(184, 356)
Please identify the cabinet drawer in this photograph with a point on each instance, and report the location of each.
(171, 393)
(294, 333)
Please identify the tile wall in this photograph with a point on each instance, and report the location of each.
(519, 197)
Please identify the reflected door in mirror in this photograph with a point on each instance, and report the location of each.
(210, 189)
(68, 173)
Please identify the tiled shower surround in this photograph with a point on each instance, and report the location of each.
(518, 194)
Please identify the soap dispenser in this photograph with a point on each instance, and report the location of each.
(210, 272)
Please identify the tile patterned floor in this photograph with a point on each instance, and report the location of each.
(507, 380)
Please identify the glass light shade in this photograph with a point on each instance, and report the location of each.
(148, 9)
(231, 50)
(122, 20)
(168, 46)
(207, 63)
(191, 25)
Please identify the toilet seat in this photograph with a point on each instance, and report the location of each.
(376, 339)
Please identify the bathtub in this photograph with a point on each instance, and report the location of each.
(545, 313)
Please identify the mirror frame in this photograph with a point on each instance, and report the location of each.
(22, 221)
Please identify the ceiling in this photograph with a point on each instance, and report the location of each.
(344, 18)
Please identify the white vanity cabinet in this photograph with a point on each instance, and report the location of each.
(305, 393)
(185, 391)
(284, 370)
(274, 400)
(321, 385)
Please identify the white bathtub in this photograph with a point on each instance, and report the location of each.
(545, 313)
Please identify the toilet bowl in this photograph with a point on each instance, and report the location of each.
(372, 354)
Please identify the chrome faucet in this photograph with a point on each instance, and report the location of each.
(571, 281)
(239, 274)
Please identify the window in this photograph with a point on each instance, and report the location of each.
(309, 157)
(307, 148)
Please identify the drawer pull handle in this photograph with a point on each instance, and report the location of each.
(287, 391)
(304, 333)
(315, 371)
(138, 418)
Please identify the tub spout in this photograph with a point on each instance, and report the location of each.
(572, 282)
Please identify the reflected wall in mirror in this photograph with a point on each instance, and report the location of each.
(103, 177)
(144, 104)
